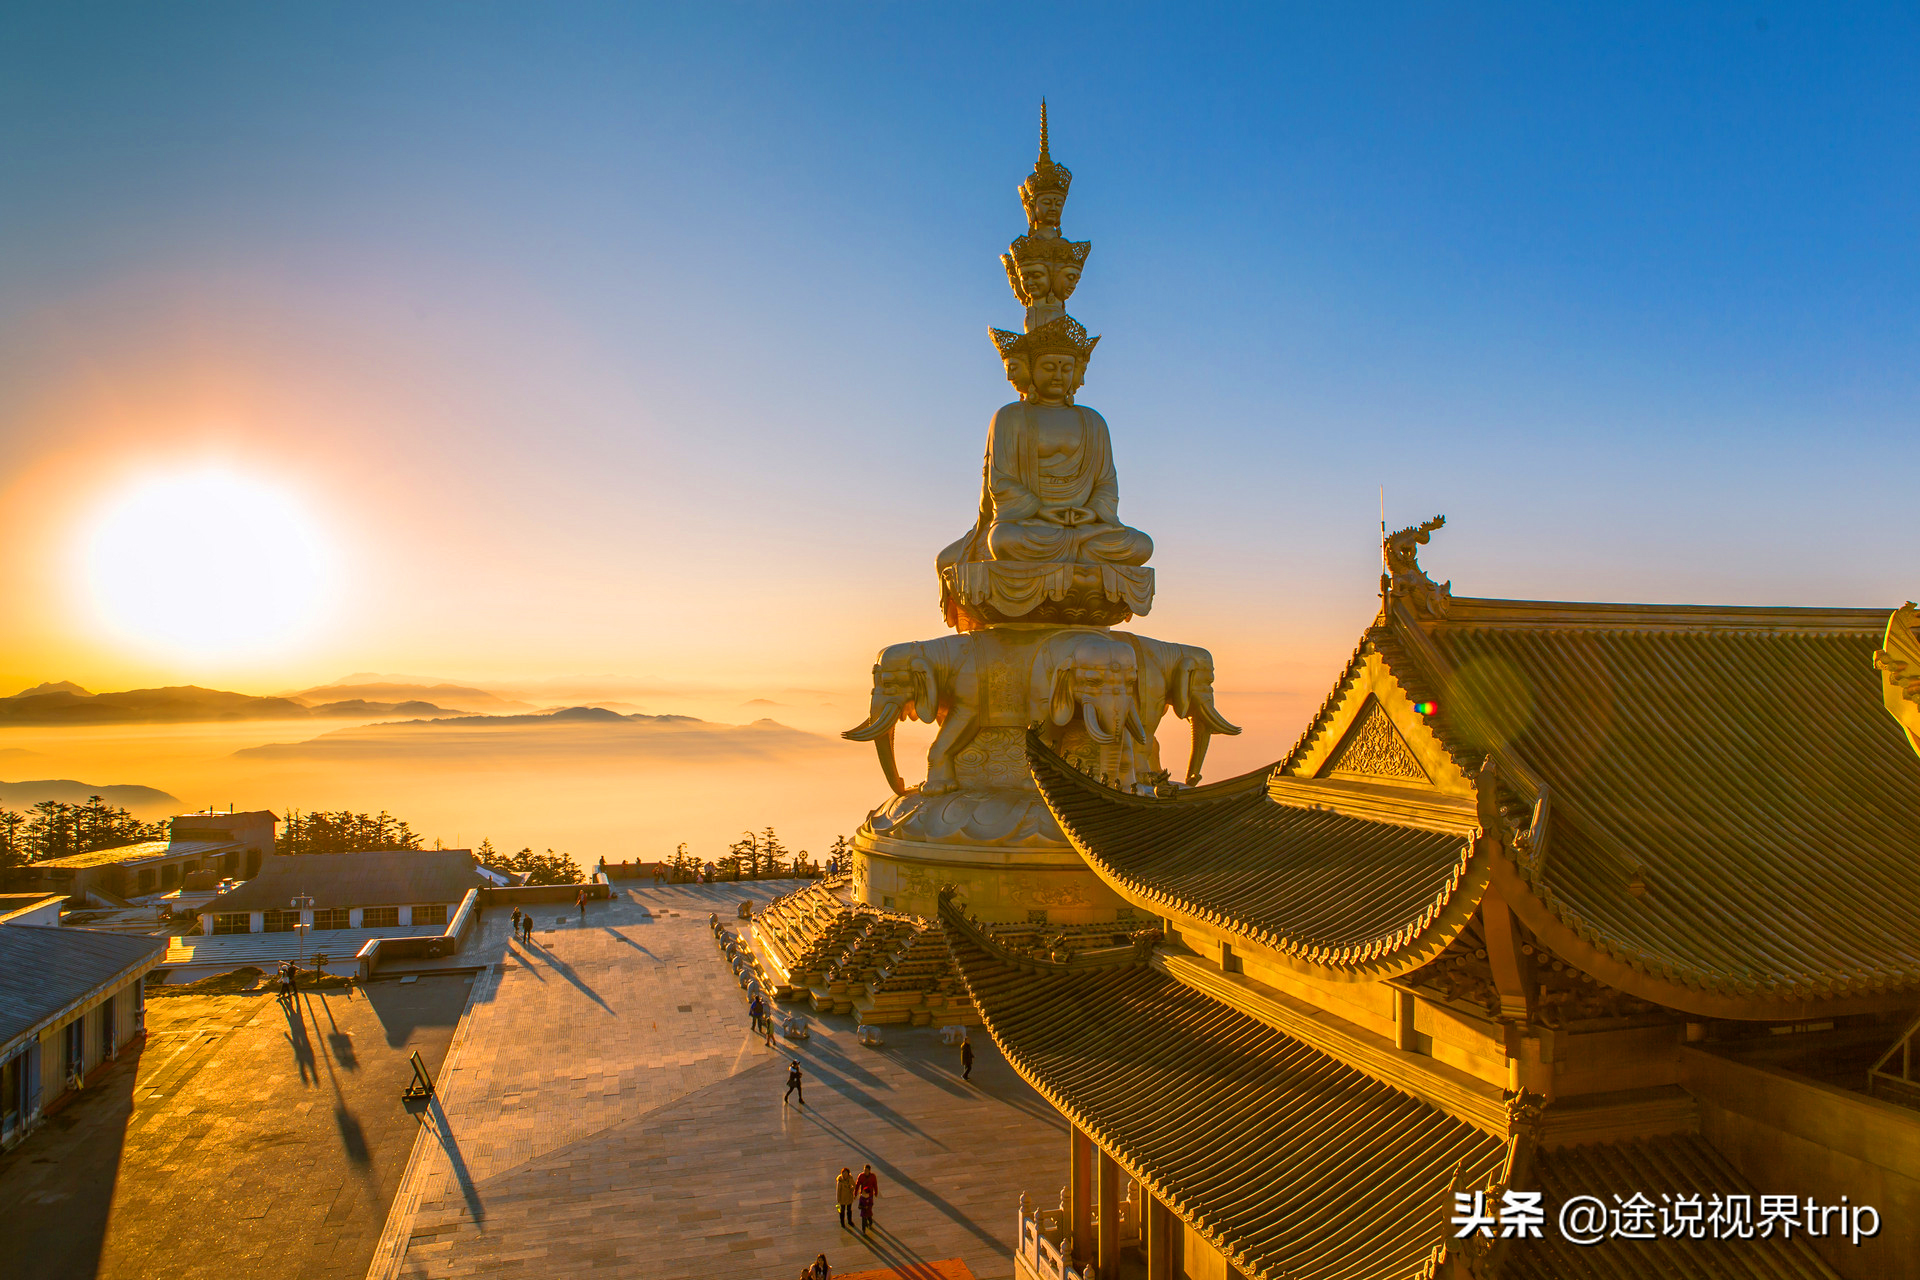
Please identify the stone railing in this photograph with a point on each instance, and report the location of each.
(1045, 1247)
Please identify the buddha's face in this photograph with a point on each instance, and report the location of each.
(1037, 279)
(1018, 375)
(1065, 278)
(1053, 377)
(1046, 208)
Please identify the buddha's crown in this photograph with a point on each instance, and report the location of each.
(1046, 175)
(1064, 336)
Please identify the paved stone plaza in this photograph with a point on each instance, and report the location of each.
(606, 1109)
(244, 1141)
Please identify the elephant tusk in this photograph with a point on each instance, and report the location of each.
(880, 721)
(1204, 710)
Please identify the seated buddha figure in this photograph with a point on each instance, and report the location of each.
(1050, 492)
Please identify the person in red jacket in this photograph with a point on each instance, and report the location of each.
(867, 1187)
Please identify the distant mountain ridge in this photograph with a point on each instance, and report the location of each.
(584, 731)
(24, 795)
(66, 703)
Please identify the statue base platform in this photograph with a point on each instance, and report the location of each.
(983, 593)
(1001, 848)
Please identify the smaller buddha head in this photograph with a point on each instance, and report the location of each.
(1044, 194)
(1045, 270)
(1018, 374)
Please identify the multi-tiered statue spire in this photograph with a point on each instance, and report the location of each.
(1048, 545)
(1033, 590)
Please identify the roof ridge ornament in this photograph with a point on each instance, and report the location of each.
(1405, 580)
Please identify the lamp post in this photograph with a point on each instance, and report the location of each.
(303, 903)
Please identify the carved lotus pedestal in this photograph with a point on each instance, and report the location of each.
(985, 593)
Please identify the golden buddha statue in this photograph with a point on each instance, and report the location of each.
(1048, 545)
(1050, 492)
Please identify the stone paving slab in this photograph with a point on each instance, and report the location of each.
(242, 1141)
(607, 1109)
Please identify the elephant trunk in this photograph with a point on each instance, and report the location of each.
(884, 746)
(1097, 729)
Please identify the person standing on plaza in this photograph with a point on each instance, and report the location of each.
(867, 1185)
(843, 1192)
(820, 1270)
(753, 1012)
(580, 900)
(793, 1085)
(526, 927)
(966, 1057)
(516, 924)
(766, 1026)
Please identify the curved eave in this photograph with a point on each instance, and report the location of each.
(959, 928)
(1391, 955)
(1706, 1001)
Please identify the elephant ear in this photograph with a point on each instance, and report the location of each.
(1063, 704)
(926, 691)
(1180, 688)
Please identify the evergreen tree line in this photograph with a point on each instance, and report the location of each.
(759, 856)
(541, 868)
(343, 832)
(53, 829)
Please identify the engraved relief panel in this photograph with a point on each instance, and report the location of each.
(1373, 748)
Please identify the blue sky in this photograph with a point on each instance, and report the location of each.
(634, 338)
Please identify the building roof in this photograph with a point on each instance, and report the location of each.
(1288, 1161)
(1729, 828)
(44, 969)
(141, 852)
(1731, 805)
(1328, 887)
(392, 877)
(1661, 1169)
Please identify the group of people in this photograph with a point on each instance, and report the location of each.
(864, 1190)
(760, 1013)
(523, 926)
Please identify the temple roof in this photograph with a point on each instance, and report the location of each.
(1663, 1170)
(1332, 889)
(1290, 1162)
(1731, 807)
(1731, 827)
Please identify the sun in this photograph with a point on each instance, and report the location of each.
(208, 563)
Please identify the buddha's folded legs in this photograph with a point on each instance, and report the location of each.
(1088, 543)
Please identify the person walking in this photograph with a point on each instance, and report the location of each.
(793, 1085)
(516, 924)
(580, 900)
(966, 1057)
(753, 1013)
(526, 927)
(867, 1186)
(843, 1192)
(766, 1027)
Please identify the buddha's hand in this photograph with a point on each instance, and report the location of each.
(1069, 516)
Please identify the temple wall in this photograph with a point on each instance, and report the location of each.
(1787, 1133)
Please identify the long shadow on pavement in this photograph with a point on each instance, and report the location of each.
(887, 1169)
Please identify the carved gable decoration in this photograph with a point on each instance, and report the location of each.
(1373, 748)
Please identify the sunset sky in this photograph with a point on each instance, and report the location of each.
(502, 343)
